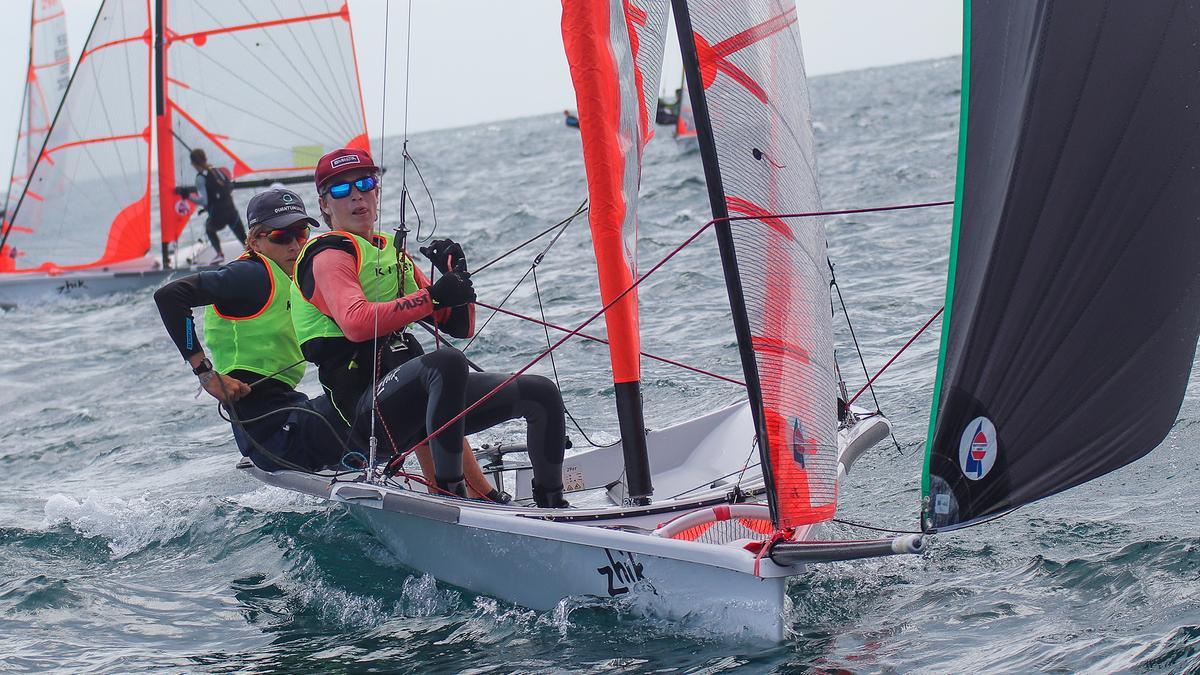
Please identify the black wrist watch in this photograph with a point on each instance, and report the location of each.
(204, 367)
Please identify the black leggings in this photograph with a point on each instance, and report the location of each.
(418, 397)
(215, 223)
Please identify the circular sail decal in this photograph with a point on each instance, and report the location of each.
(977, 448)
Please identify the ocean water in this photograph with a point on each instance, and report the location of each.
(128, 542)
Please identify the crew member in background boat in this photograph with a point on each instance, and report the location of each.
(350, 289)
(214, 193)
(256, 361)
(571, 119)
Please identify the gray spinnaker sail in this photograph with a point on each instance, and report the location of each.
(1073, 299)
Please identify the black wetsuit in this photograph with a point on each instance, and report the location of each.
(241, 289)
(222, 212)
(421, 392)
(442, 380)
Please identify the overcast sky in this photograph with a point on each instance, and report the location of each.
(483, 60)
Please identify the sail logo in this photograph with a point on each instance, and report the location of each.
(800, 447)
(977, 448)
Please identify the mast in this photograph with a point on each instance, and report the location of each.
(162, 116)
(733, 282)
(614, 50)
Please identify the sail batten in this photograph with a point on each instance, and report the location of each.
(1072, 307)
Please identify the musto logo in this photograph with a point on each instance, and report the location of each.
(977, 448)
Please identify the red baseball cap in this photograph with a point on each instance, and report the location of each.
(340, 161)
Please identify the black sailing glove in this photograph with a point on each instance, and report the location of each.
(453, 288)
(445, 253)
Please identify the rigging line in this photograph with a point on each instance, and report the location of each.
(637, 282)
(496, 309)
(897, 355)
(709, 484)
(850, 324)
(512, 378)
(594, 338)
(858, 350)
(553, 366)
(536, 261)
(373, 441)
(433, 205)
(873, 527)
(437, 335)
(566, 221)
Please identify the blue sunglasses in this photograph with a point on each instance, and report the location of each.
(342, 190)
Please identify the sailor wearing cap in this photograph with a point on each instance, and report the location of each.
(355, 292)
(255, 360)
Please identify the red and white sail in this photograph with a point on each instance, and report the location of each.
(615, 49)
(46, 78)
(86, 203)
(264, 88)
(759, 148)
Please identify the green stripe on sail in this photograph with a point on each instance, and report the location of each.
(964, 106)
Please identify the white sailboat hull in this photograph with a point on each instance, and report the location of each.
(551, 562)
(37, 287)
(604, 551)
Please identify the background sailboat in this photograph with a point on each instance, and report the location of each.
(46, 77)
(154, 80)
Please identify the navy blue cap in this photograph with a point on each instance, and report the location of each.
(277, 208)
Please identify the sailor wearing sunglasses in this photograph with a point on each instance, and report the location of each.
(255, 359)
(352, 287)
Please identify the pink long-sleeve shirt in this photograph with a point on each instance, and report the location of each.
(338, 294)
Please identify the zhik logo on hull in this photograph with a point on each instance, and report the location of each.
(977, 448)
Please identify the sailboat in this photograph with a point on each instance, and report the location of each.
(711, 516)
(154, 80)
(1071, 323)
(685, 120)
(46, 75)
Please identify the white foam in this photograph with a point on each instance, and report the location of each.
(271, 498)
(130, 525)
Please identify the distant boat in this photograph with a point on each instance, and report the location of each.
(238, 82)
(685, 121)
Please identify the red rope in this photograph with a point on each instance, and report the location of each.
(594, 338)
(637, 282)
(895, 356)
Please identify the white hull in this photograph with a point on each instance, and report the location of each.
(603, 551)
(133, 275)
(35, 287)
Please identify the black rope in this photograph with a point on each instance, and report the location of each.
(581, 208)
(858, 349)
(428, 193)
(554, 368)
(235, 420)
